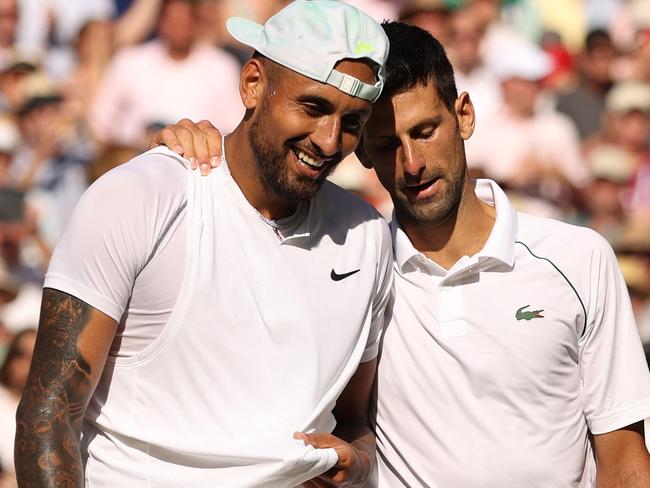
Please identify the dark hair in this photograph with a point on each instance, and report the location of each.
(597, 38)
(417, 58)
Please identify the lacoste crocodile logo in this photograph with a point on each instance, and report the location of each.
(528, 314)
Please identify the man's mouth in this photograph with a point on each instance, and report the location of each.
(422, 190)
(308, 160)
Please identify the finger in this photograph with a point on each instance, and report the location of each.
(199, 140)
(186, 140)
(319, 441)
(213, 138)
(166, 137)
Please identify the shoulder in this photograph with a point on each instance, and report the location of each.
(344, 212)
(563, 242)
(148, 180)
(345, 204)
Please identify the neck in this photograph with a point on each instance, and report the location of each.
(462, 233)
(246, 173)
(178, 53)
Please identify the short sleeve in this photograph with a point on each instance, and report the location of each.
(615, 377)
(114, 228)
(383, 292)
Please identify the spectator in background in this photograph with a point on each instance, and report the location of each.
(472, 75)
(525, 146)
(9, 139)
(165, 79)
(633, 250)
(49, 161)
(602, 198)
(12, 78)
(585, 104)
(431, 15)
(13, 377)
(8, 23)
(626, 129)
(93, 49)
(56, 22)
(23, 256)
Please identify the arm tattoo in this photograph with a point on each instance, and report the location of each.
(51, 411)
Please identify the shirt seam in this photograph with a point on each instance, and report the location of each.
(584, 326)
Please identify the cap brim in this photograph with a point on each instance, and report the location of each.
(245, 31)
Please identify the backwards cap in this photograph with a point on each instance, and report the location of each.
(311, 36)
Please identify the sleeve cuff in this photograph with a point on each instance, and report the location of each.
(619, 419)
(92, 298)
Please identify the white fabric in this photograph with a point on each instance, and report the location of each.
(260, 340)
(469, 396)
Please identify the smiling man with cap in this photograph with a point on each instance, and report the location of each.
(223, 331)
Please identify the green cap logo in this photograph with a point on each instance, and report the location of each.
(363, 47)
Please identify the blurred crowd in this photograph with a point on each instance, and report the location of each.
(561, 89)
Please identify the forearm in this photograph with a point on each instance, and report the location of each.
(622, 459)
(637, 476)
(47, 443)
(71, 347)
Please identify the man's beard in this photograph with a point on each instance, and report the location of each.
(273, 166)
(436, 211)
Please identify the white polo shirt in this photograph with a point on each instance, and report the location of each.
(238, 333)
(492, 373)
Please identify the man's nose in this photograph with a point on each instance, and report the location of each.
(327, 136)
(412, 162)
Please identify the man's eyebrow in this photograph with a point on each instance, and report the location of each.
(325, 106)
(322, 103)
(425, 124)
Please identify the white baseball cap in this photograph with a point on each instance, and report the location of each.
(311, 36)
(523, 60)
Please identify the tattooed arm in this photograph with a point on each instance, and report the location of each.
(71, 348)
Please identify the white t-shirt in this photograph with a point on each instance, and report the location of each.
(493, 373)
(233, 334)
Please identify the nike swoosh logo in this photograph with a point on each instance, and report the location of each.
(338, 277)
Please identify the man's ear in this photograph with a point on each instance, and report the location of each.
(361, 152)
(252, 83)
(465, 115)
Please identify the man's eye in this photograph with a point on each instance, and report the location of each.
(352, 126)
(313, 110)
(426, 133)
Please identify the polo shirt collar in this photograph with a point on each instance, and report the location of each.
(500, 244)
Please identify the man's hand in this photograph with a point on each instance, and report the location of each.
(352, 438)
(199, 143)
(352, 470)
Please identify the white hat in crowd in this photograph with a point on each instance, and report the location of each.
(628, 96)
(525, 61)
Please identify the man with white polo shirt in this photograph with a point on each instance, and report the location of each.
(511, 358)
(223, 331)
